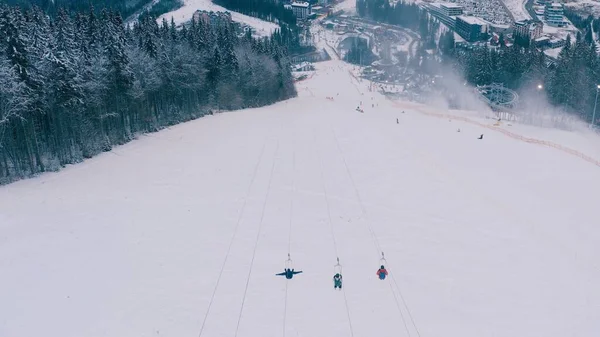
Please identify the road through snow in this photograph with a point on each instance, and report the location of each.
(183, 231)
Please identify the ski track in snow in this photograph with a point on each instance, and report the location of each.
(482, 237)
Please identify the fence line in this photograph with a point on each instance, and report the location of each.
(511, 134)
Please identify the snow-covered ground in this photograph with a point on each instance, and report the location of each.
(185, 13)
(561, 32)
(348, 6)
(134, 17)
(180, 233)
(585, 6)
(517, 8)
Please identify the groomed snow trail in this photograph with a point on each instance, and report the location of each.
(181, 233)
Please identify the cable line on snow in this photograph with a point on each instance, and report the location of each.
(335, 247)
(405, 305)
(262, 216)
(376, 241)
(235, 231)
(290, 232)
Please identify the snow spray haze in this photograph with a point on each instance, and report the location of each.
(534, 109)
(455, 94)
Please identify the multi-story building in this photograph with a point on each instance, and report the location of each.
(445, 12)
(553, 14)
(544, 2)
(301, 10)
(528, 28)
(557, 43)
(451, 9)
(210, 17)
(471, 28)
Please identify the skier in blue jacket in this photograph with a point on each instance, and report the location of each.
(382, 273)
(289, 273)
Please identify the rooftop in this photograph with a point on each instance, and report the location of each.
(553, 53)
(524, 22)
(450, 5)
(472, 20)
(300, 4)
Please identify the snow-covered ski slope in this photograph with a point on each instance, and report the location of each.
(181, 233)
(186, 13)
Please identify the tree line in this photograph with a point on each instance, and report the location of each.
(76, 85)
(124, 7)
(580, 21)
(570, 82)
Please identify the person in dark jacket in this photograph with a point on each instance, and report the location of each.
(289, 273)
(382, 273)
(337, 281)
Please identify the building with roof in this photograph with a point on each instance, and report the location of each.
(541, 42)
(451, 9)
(301, 10)
(553, 14)
(471, 28)
(557, 42)
(528, 28)
(207, 17)
(442, 12)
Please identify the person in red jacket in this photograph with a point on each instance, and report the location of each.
(382, 273)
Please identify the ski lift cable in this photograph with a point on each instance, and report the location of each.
(335, 247)
(235, 231)
(260, 225)
(290, 231)
(399, 309)
(374, 236)
(292, 201)
(285, 308)
(405, 305)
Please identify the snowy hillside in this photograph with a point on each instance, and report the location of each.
(517, 9)
(181, 233)
(185, 13)
(585, 6)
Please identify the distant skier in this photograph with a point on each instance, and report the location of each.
(397, 121)
(289, 273)
(480, 137)
(337, 281)
(382, 273)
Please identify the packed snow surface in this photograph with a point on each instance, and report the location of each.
(185, 13)
(517, 9)
(348, 6)
(585, 6)
(181, 232)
